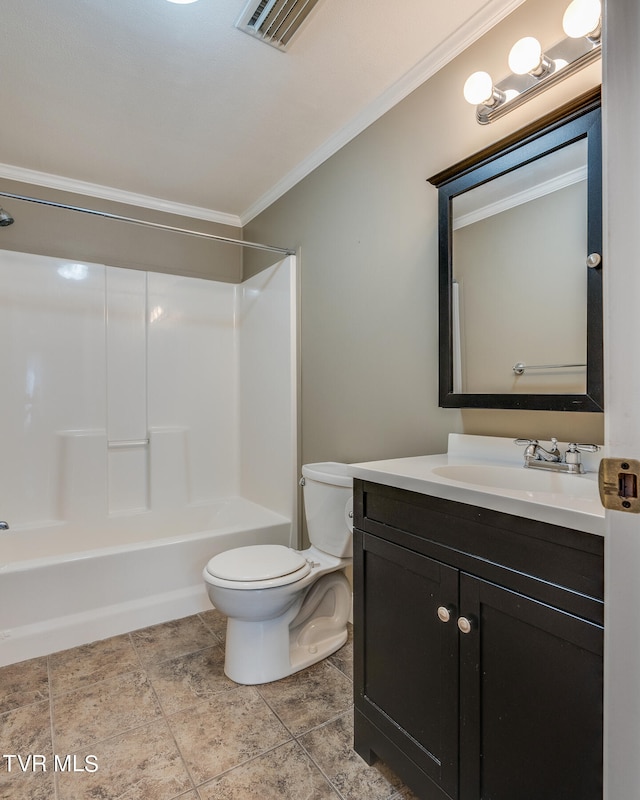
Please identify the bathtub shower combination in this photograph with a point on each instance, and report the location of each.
(148, 423)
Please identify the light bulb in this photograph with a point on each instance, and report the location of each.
(478, 88)
(525, 56)
(582, 19)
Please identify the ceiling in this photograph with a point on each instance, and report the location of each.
(171, 106)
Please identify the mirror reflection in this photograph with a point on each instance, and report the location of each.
(519, 279)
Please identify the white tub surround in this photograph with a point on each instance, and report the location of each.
(488, 471)
(138, 409)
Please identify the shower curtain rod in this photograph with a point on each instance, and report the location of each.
(145, 223)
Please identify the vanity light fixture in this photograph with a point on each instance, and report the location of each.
(534, 70)
(182, 2)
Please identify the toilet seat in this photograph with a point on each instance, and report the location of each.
(259, 566)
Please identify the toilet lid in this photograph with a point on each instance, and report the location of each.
(259, 562)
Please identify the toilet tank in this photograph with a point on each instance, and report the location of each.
(328, 507)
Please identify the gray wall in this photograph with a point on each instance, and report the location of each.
(528, 301)
(366, 225)
(48, 231)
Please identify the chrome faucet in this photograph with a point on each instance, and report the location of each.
(534, 450)
(537, 457)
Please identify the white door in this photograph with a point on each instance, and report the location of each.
(621, 118)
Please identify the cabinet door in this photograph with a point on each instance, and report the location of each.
(531, 699)
(407, 658)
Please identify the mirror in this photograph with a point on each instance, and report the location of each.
(520, 309)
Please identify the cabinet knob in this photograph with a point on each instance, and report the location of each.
(444, 615)
(464, 624)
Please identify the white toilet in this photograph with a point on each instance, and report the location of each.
(288, 608)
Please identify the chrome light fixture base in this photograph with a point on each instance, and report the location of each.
(567, 57)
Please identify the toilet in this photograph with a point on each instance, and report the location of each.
(286, 608)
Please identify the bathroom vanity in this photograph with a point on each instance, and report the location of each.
(478, 631)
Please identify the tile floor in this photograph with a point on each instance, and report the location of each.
(154, 712)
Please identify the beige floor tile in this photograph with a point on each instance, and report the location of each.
(186, 681)
(90, 663)
(225, 731)
(216, 622)
(309, 698)
(26, 731)
(343, 658)
(102, 710)
(285, 773)
(24, 683)
(231, 742)
(171, 639)
(331, 747)
(143, 764)
(405, 794)
(27, 786)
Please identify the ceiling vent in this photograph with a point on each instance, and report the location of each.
(275, 21)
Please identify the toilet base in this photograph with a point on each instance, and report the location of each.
(304, 656)
(314, 627)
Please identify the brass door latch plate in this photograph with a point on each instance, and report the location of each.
(619, 484)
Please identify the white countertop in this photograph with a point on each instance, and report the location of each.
(560, 499)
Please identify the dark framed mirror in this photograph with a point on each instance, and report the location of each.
(520, 268)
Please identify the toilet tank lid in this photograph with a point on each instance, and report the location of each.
(257, 562)
(329, 472)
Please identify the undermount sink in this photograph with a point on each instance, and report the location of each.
(519, 479)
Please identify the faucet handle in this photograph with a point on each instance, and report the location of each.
(572, 456)
(525, 442)
(584, 448)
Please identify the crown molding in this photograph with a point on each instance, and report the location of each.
(485, 19)
(117, 195)
(520, 198)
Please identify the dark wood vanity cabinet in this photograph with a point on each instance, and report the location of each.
(478, 649)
